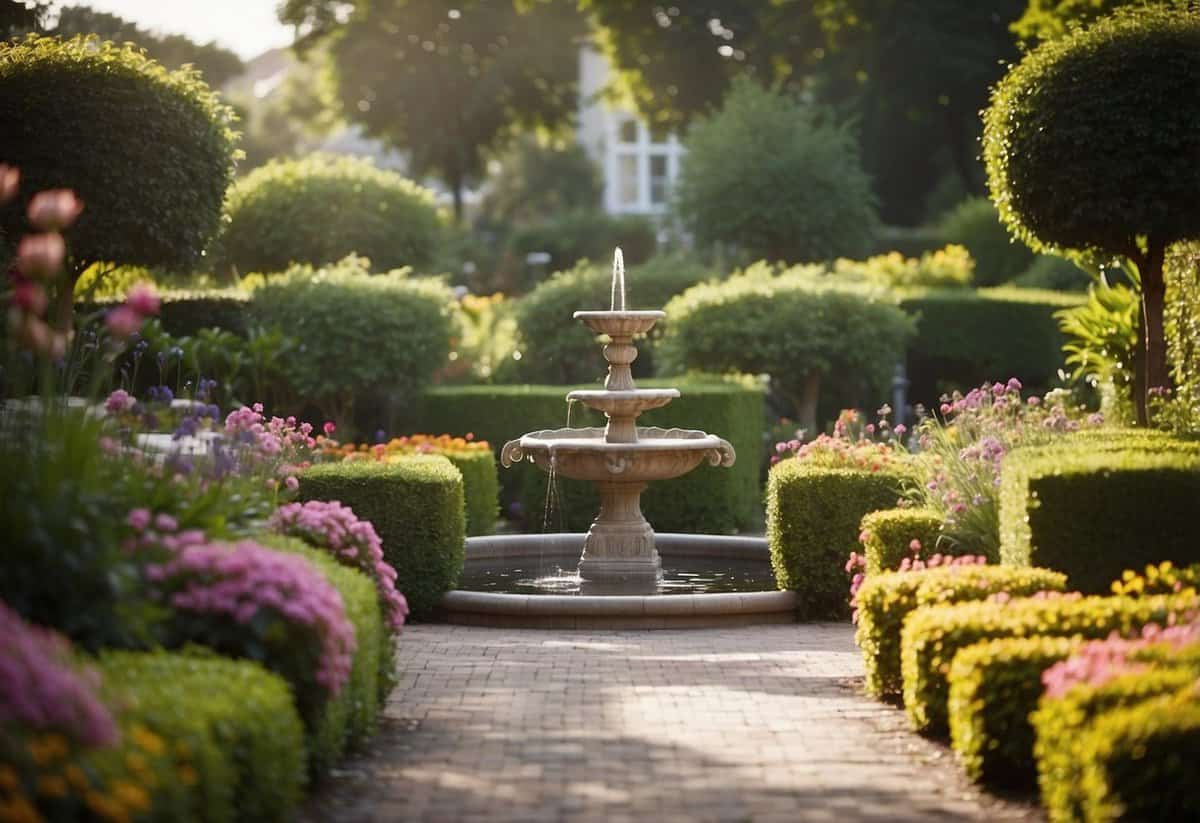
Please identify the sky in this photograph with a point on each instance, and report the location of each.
(247, 27)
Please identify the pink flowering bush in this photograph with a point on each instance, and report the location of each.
(354, 542)
(1101, 661)
(248, 601)
(854, 444)
(42, 689)
(276, 447)
(856, 567)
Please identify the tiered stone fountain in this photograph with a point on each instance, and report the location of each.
(619, 554)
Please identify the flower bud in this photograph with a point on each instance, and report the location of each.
(122, 322)
(54, 209)
(41, 255)
(143, 299)
(10, 181)
(29, 296)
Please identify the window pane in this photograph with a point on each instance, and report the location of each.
(627, 179)
(628, 132)
(658, 178)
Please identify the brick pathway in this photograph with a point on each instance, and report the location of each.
(749, 724)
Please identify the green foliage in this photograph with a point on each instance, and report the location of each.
(998, 257)
(416, 506)
(350, 717)
(884, 601)
(813, 518)
(571, 236)
(360, 334)
(1052, 272)
(556, 349)
(708, 500)
(1183, 335)
(907, 241)
(150, 152)
(994, 686)
(1083, 510)
(238, 722)
(946, 267)
(850, 336)
(481, 488)
(965, 338)
(776, 179)
(887, 535)
(1101, 337)
(538, 180)
(1067, 746)
(1047, 19)
(933, 635)
(273, 215)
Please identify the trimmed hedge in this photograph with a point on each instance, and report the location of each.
(885, 600)
(968, 337)
(813, 517)
(481, 488)
(994, 686)
(417, 508)
(350, 717)
(888, 534)
(707, 500)
(1093, 515)
(933, 635)
(184, 313)
(237, 720)
(1074, 746)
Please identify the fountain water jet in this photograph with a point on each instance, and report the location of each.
(619, 554)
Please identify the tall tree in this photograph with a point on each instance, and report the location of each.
(1047, 19)
(448, 82)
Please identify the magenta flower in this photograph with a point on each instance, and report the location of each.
(122, 322)
(143, 299)
(54, 209)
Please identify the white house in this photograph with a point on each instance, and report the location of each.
(639, 164)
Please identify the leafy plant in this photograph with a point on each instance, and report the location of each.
(951, 266)
(1101, 345)
(975, 224)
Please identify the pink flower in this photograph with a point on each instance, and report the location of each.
(138, 519)
(166, 523)
(292, 483)
(54, 209)
(122, 322)
(41, 255)
(119, 401)
(10, 181)
(143, 299)
(329, 428)
(914, 545)
(29, 296)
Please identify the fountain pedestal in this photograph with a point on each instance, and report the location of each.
(620, 544)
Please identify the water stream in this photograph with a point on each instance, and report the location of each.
(618, 281)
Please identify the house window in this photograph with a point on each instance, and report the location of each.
(659, 179)
(627, 179)
(627, 132)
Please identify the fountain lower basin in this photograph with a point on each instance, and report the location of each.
(609, 611)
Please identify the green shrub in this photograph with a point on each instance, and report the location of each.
(706, 500)
(994, 686)
(1053, 272)
(349, 718)
(481, 488)
(1065, 749)
(775, 178)
(998, 256)
(1093, 514)
(1183, 337)
(887, 536)
(150, 152)
(850, 336)
(184, 313)
(965, 338)
(1163, 578)
(360, 335)
(319, 209)
(585, 234)
(537, 180)
(416, 506)
(238, 721)
(948, 267)
(1101, 342)
(554, 348)
(934, 634)
(908, 241)
(813, 518)
(885, 600)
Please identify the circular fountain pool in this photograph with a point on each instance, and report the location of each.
(530, 581)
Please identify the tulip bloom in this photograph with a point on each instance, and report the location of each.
(54, 209)
(41, 255)
(143, 300)
(10, 181)
(123, 322)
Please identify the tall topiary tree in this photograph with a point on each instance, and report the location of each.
(776, 179)
(150, 152)
(1091, 144)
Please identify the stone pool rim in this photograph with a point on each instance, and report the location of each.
(575, 611)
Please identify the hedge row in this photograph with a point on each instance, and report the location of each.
(707, 500)
(481, 488)
(887, 536)
(1092, 511)
(966, 337)
(932, 636)
(885, 600)
(183, 313)
(417, 508)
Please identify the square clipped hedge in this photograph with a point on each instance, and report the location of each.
(1071, 743)
(1094, 512)
(244, 739)
(994, 686)
(183, 313)
(416, 506)
(888, 534)
(813, 517)
(481, 488)
(885, 600)
(933, 635)
(706, 500)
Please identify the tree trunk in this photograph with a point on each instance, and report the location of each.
(456, 188)
(1154, 291)
(806, 403)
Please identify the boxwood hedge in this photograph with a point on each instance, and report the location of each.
(933, 635)
(243, 737)
(887, 536)
(707, 500)
(886, 599)
(417, 508)
(1093, 514)
(1127, 740)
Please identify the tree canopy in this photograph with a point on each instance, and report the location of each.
(1047, 19)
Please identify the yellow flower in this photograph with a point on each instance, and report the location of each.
(147, 740)
(131, 796)
(76, 777)
(18, 810)
(52, 785)
(187, 775)
(8, 778)
(46, 748)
